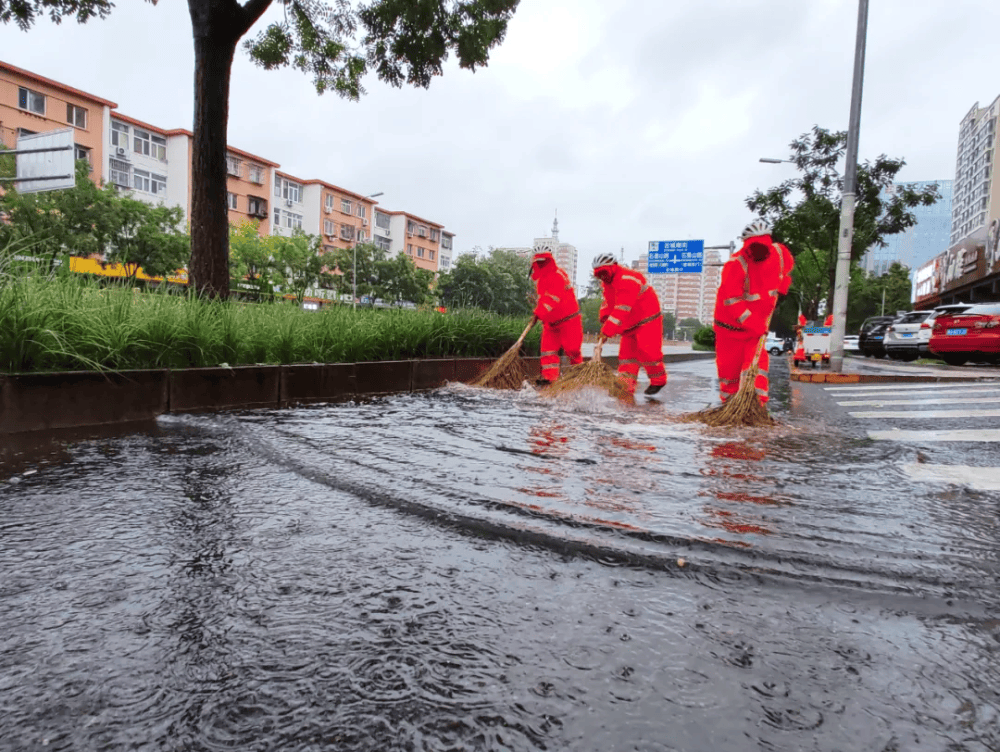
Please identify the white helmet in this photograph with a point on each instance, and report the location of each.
(603, 259)
(755, 228)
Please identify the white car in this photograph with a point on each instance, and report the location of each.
(774, 344)
(851, 344)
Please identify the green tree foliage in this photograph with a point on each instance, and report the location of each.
(400, 281)
(8, 167)
(705, 337)
(333, 41)
(866, 294)
(88, 220)
(590, 307)
(496, 281)
(298, 262)
(669, 324)
(805, 212)
(251, 259)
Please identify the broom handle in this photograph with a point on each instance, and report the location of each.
(760, 345)
(528, 328)
(597, 349)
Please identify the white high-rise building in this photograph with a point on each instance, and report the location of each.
(687, 295)
(975, 198)
(565, 254)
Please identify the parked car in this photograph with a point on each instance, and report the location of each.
(871, 334)
(851, 344)
(924, 336)
(972, 334)
(774, 344)
(901, 336)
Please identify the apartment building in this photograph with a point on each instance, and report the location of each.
(30, 104)
(975, 198)
(340, 216)
(447, 249)
(154, 165)
(687, 295)
(418, 238)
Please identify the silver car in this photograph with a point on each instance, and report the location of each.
(902, 336)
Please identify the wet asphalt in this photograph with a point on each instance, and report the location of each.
(464, 569)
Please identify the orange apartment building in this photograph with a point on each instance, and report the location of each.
(341, 217)
(30, 103)
(154, 164)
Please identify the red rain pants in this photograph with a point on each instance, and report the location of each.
(642, 346)
(733, 355)
(569, 336)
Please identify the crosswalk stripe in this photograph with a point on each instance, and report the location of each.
(926, 437)
(883, 402)
(976, 385)
(927, 393)
(976, 478)
(926, 414)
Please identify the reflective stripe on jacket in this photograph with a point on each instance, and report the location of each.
(749, 289)
(628, 299)
(556, 299)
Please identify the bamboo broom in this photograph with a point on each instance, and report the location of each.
(508, 372)
(593, 373)
(742, 409)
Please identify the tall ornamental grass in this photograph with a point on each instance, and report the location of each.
(71, 323)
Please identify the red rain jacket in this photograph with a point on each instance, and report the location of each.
(629, 302)
(556, 299)
(749, 289)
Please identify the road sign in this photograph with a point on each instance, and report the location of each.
(672, 256)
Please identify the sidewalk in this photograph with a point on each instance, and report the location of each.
(858, 369)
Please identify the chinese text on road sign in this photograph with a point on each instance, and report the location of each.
(671, 256)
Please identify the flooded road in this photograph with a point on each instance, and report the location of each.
(467, 570)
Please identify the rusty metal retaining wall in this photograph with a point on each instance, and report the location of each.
(50, 401)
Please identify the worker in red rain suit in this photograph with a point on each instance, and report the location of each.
(752, 280)
(557, 309)
(632, 309)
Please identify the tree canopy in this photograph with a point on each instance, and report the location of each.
(805, 211)
(337, 42)
(497, 281)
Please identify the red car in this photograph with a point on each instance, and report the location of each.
(973, 334)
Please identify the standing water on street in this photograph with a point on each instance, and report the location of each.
(466, 569)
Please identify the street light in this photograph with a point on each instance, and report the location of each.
(354, 266)
(772, 160)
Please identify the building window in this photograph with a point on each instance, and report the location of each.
(410, 226)
(362, 235)
(232, 201)
(420, 252)
(234, 167)
(256, 207)
(329, 202)
(81, 152)
(346, 232)
(361, 210)
(435, 235)
(409, 248)
(287, 189)
(140, 180)
(31, 101)
(76, 116)
(381, 219)
(329, 228)
(158, 184)
(277, 217)
(256, 174)
(345, 206)
(293, 221)
(430, 255)
(382, 243)
(119, 135)
(121, 173)
(149, 145)
(446, 242)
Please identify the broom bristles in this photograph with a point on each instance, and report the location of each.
(742, 409)
(594, 373)
(508, 372)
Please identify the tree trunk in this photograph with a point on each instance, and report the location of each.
(214, 48)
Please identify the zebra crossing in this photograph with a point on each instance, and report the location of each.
(961, 412)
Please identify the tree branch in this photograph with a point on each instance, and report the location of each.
(250, 14)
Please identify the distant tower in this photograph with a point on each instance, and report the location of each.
(555, 227)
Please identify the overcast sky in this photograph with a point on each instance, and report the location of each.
(638, 120)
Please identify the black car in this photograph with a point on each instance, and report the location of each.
(872, 334)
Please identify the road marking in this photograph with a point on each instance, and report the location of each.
(913, 414)
(882, 403)
(917, 395)
(926, 437)
(976, 478)
(974, 385)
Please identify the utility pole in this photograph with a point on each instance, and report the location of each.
(846, 235)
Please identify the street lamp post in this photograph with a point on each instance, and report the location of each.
(846, 236)
(354, 265)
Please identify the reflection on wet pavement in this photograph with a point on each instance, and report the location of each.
(467, 570)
